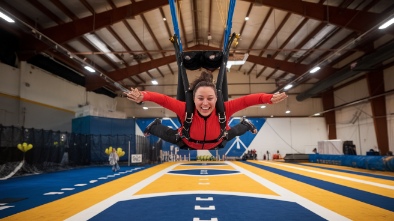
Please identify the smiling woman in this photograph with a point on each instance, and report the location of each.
(205, 95)
(205, 130)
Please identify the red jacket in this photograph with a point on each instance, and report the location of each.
(208, 129)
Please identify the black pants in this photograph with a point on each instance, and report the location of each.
(170, 135)
(237, 130)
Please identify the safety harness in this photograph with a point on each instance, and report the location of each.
(210, 60)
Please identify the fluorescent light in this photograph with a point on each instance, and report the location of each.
(90, 69)
(288, 112)
(317, 114)
(154, 82)
(288, 86)
(314, 69)
(237, 62)
(263, 106)
(101, 46)
(145, 108)
(231, 63)
(387, 24)
(5, 17)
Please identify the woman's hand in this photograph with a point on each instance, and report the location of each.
(278, 97)
(135, 95)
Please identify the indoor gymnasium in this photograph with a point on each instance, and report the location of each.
(199, 110)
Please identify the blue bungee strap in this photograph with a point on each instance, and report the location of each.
(229, 23)
(175, 23)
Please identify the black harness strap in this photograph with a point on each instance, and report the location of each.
(186, 94)
(194, 60)
(222, 78)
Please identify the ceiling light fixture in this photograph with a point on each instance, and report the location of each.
(314, 70)
(91, 70)
(263, 106)
(246, 18)
(328, 59)
(5, 17)
(145, 108)
(154, 82)
(164, 19)
(288, 86)
(287, 107)
(237, 62)
(387, 24)
(101, 46)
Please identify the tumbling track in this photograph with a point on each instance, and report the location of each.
(229, 190)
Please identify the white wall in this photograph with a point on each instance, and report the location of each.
(35, 98)
(52, 90)
(289, 135)
(10, 78)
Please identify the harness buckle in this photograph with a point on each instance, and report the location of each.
(222, 119)
(184, 129)
(185, 134)
(225, 135)
(190, 119)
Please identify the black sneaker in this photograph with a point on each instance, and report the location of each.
(251, 127)
(147, 129)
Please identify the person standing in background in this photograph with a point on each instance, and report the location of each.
(113, 160)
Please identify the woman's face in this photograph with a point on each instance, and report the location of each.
(205, 100)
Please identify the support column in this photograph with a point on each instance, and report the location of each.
(375, 82)
(328, 103)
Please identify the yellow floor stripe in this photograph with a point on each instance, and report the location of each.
(350, 208)
(349, 183)
(353, 169)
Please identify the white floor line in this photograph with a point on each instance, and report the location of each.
(211, 207)
(198, 219)
(336, 176)
(195, 192)
(290, 196)
(65, 189)
(124, 195)
(204, 199)
(5, 207)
